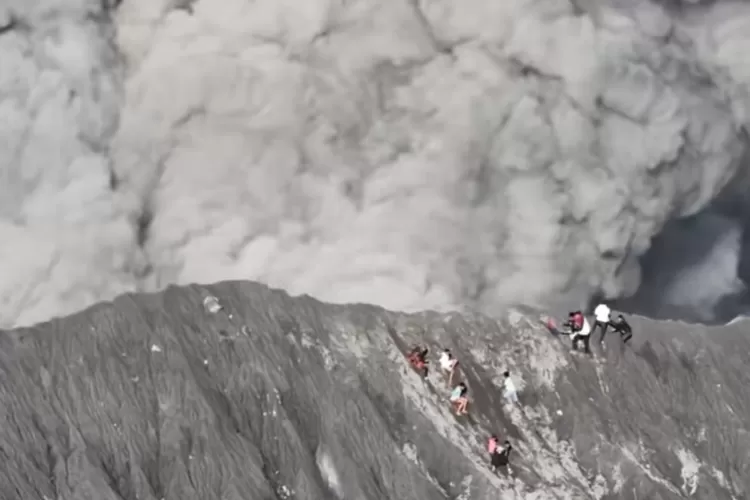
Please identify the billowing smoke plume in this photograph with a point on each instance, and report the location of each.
(412, 154)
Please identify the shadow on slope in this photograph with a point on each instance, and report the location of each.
(151, 397)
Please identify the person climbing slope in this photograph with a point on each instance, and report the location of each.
(510, 393)
(449, 364)
(418, 360)
(501, 456)
(619, 325)
(459, 398)
(581, 333)
(601, 321)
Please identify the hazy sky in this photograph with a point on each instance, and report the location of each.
(411, 154)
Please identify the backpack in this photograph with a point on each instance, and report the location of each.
(416, 361)
(492, 445)
(578, 321)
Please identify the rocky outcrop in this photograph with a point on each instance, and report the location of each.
(152, 397)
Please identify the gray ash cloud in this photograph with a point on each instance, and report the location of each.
(432, 155)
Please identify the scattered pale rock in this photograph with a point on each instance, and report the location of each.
(212, 305)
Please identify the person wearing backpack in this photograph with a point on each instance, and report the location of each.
(581, 330)
(499, 457)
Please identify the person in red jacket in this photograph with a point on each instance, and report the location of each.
(418, 360)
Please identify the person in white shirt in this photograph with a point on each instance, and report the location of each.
(448, 364)
(583, 335)
(601, 320)
(510, 393)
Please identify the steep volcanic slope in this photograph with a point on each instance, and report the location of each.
(152, 397)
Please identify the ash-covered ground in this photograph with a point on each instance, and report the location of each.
(151, 397)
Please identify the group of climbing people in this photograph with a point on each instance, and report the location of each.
(581, 330)
(459, 396)
(578, 327)
(449, 366)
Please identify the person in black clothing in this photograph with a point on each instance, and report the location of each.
(501, 456)
(622, 327)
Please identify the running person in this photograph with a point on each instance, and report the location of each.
(601, 321)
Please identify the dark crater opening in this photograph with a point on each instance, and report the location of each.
(698, 268)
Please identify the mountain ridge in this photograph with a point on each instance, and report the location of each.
(150, 396)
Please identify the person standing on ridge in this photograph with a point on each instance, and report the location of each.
(601, 321)
(492, 444)
(619, 325)
(582, 333)
(575, 322)
(449, 364)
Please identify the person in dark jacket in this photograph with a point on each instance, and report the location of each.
(619, 325)
(501, 456)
